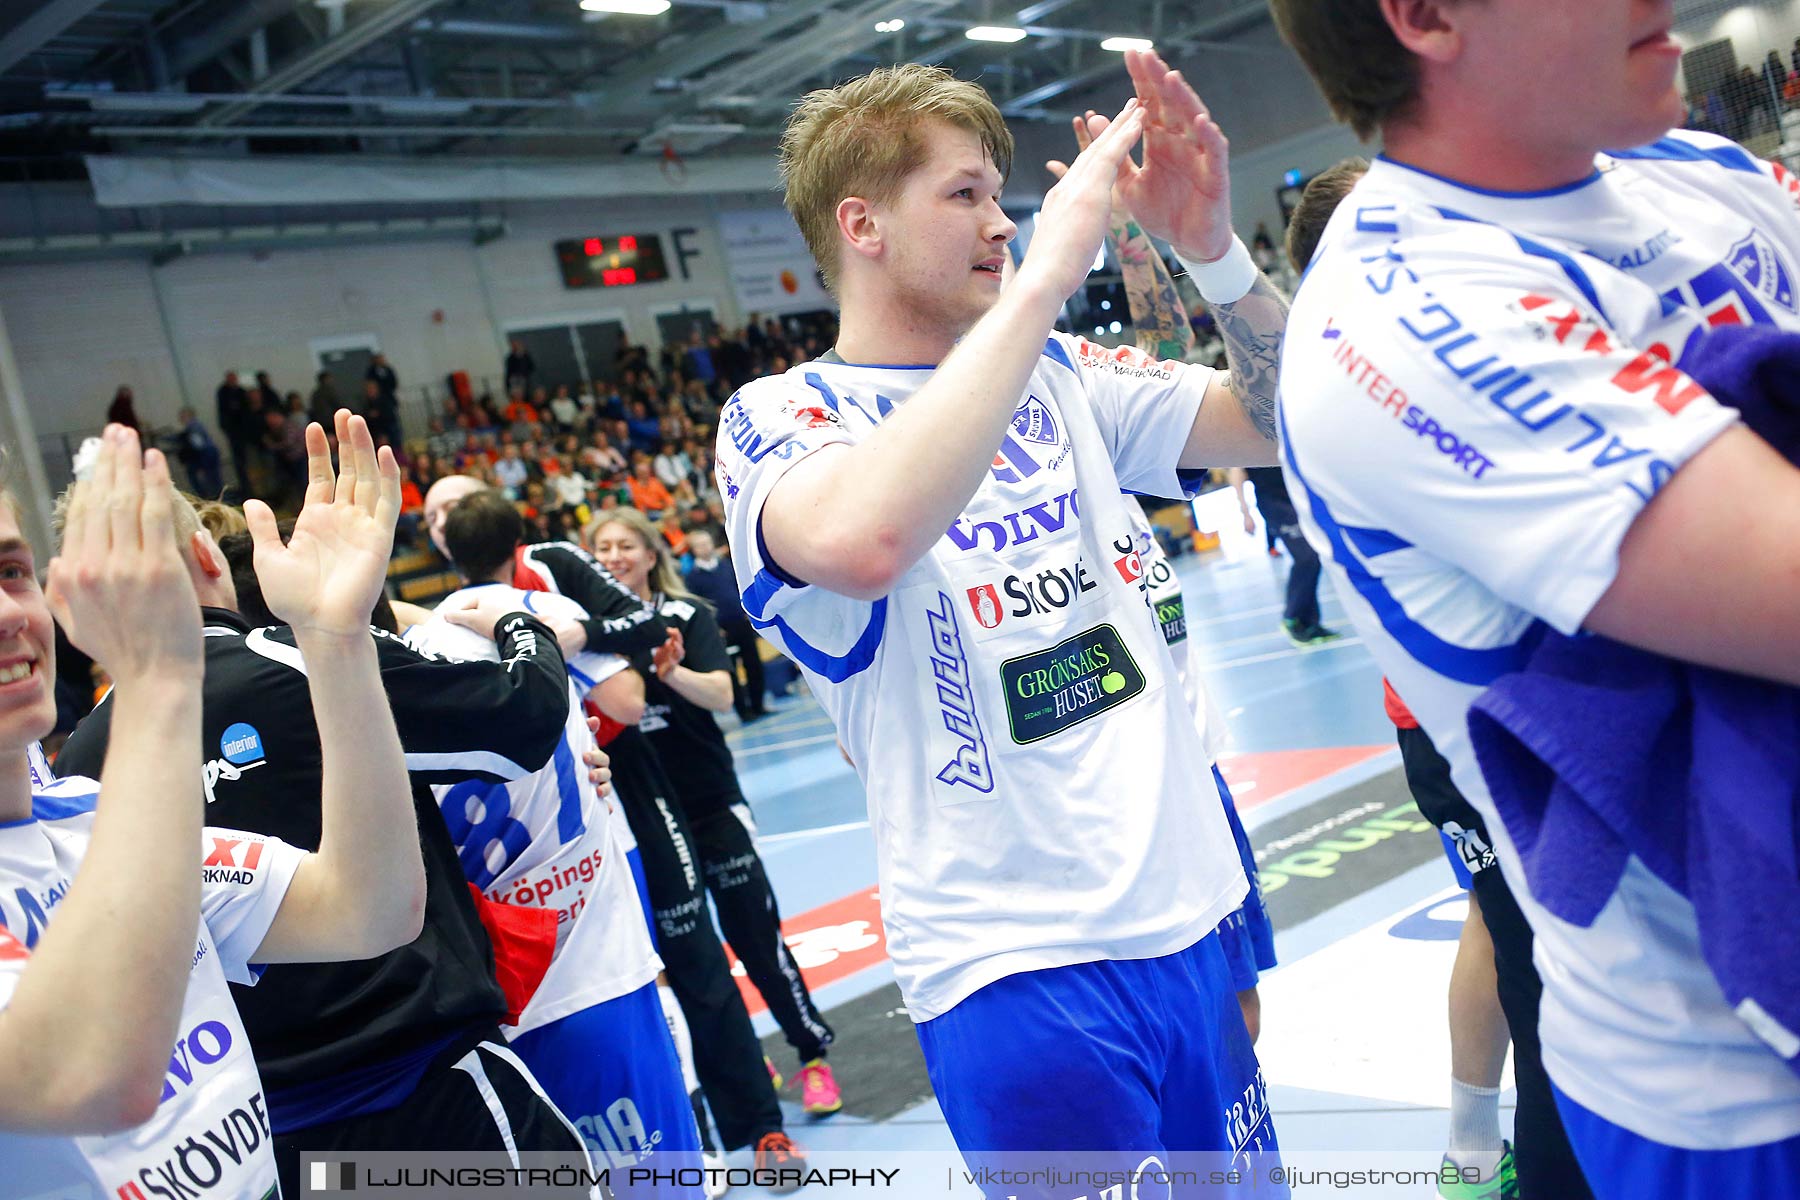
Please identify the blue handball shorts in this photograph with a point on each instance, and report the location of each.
(1246, 936)
(612, 1070)
(1620, 1165)
(1107, 1066)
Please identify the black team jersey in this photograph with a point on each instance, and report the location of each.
(687, 738)
(339, 1039)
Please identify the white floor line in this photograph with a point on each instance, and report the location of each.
(1291, 652)
(797, 835)
(821, 740)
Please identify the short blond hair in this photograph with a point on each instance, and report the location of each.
(220, 519)
(185, 521)
(861, 138)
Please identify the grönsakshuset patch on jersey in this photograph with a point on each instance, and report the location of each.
(1008, 705)
(210, 1135)
(548, 839)
(1480, 393)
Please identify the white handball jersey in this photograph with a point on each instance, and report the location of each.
(1169, 607)
(1480, 393)
(1027, 758)
(210, 1135)
(548, 840)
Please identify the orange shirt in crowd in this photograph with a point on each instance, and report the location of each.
(521, 410)
(410, 499)
(649, 495)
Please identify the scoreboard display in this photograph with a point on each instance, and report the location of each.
(606, 262)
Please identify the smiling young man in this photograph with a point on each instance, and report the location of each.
(1049, 890)
(127, 1067)
(1487, 431)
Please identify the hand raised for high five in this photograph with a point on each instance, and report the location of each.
(120, 588)
(328, 576)
(1072, 223)
(1182, 192)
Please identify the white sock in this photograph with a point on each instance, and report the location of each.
(1475, 1127)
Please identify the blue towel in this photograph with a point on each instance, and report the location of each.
(1598, 751)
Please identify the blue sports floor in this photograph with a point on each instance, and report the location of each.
(1354, 1042)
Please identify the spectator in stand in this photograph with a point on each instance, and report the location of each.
(324, 402)
(629, 357)
(519, 367)
(271, 399)
(519, 411)
(570, 486)
(674, 425)
(369, 407)
(671, 466)
(121, 411)
(424, 470)
(734, 360)
(710, 577)
(1775, 75)
(512, 472)
(609, 404)
(648, 495)
(382, 375)
(199, 456)
(643, 428)
(284, 442)
(563, 409)
(443, 442)
(602, 457)
(234, 423)
(699, 359)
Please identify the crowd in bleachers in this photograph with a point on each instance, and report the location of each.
(639, 436)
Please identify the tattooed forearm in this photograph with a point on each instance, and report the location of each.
(1252, 329)
(1156, 312)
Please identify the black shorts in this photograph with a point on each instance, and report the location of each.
(474, 1096)
(1466, 841)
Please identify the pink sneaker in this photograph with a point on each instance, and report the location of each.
(819, 1094)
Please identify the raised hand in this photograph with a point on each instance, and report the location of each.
(120, 588)
(1084, 138)
(668, 656)
(328, 576)
(1073, 221)
(1182, 192)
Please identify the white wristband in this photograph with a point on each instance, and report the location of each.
(1227, 280)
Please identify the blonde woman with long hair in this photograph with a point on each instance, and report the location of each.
(680, 703)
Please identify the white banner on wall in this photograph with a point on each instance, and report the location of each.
(770, 268)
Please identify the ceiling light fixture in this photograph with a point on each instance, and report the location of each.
(995, 33)
(1122, 44)
(633, 8)
(893, 26)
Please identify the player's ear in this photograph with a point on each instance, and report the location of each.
(858, 226)
(1427, 28)
(207, 555)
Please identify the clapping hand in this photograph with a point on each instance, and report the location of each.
(668, 656)
(328, 576)
(1182, 192)
(120, 588)
(1073, 221)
